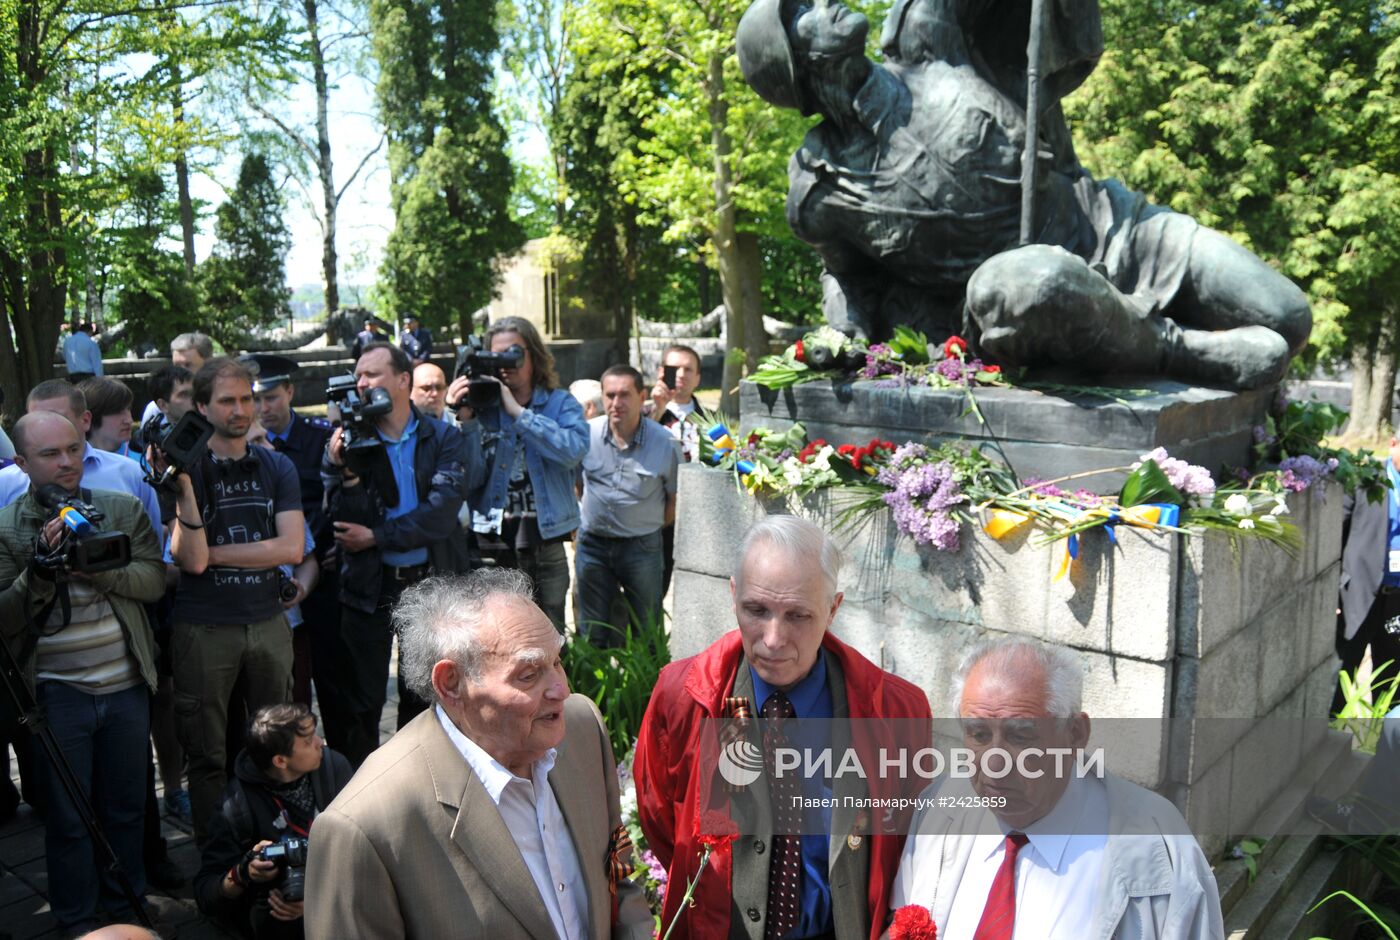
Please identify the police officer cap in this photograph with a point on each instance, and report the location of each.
(268, 371)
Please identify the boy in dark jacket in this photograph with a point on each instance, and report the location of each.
(284, 776)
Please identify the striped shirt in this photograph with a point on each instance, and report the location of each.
(90, 653)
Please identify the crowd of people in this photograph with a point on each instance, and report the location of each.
(285, 560)
(269, 567)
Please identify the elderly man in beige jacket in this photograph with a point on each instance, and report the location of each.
(1038, 853)
(492, 814)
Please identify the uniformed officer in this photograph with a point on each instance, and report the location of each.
(302, 440)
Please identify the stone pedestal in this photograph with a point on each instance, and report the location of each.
(1232, 643)
(1039, 435)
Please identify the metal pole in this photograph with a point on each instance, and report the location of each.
(1039, 11)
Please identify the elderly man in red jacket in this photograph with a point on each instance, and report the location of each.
(819, 849)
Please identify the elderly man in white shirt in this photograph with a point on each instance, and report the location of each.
(494, 814)
(1059, 855)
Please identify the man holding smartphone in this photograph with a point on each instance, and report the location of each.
(672, 404)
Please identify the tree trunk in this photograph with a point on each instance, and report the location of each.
(726, 238)
(324, 168)
(182, 172)
(1362, 422)
(1382, 390)
(751, 279)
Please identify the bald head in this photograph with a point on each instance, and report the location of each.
(429, 390)
(40, 425)
(49, 449)
(121, 932)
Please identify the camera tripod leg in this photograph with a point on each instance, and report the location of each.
(33, 718)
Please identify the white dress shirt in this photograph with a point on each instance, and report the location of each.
(1057, 872)
(535, 822)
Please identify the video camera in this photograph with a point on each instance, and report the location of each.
(364, 450)
(290, 857)
(484, 369)
(182, 444)
(84, 547)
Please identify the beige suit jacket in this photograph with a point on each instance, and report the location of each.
(414, 846)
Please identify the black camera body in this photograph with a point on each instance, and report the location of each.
(290, 857)
(85, 547)
(183, 444)
(364, 451)
(484, 368)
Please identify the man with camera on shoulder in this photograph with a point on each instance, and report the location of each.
(238, 517)
(253, 868)
(395, 479)
(76, 567)
(533, 435)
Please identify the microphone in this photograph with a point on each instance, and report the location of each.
(51, 495)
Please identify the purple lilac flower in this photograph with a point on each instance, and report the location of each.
(1188, 478)
(876, 364)
(1262, 435)
(920, 500)
(1087, 499)
(655, 870)
(1299, 473)
(1041, 488)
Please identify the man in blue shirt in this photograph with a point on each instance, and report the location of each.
(81, 354)
(385, 546)
(101, 470)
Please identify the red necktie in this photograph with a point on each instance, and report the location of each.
(785, 864)
(999, 916)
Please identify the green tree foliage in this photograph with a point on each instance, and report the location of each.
(245, 278)
(697, 156)
(86, 90)
(1277, 123)
(450, 175)
(155, 296)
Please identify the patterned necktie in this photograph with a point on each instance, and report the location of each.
(785, 867)
(999, 916)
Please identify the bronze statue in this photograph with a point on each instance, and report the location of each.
(910, 190)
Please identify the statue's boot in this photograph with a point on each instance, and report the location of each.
(1040, 305)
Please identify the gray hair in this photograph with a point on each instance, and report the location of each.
(1015, 660)
(798, 539)
(441, 618)
(588, 390)
(199, 342)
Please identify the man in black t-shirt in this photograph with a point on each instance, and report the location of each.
(237, 518)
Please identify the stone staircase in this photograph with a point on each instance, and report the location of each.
(1299, 868)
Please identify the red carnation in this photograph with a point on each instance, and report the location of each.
(715, 829)
(754, 439)
(798, 352)
(913, 922)
(955, 348)
(846, 450)
(994, 370)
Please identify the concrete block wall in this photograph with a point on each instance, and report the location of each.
(1231, 642)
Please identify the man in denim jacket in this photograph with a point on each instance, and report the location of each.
(384, 548)
(532, 444)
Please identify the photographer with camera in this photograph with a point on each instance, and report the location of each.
(395, 479)
(76, 567)
(533, 436)
(252, 869)
(238, 517)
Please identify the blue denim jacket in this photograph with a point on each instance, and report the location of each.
(556, 440)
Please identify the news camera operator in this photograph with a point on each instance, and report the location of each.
(238, 517)
(253, 867)
(533, 436)
(72, 614)
(393, 492)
